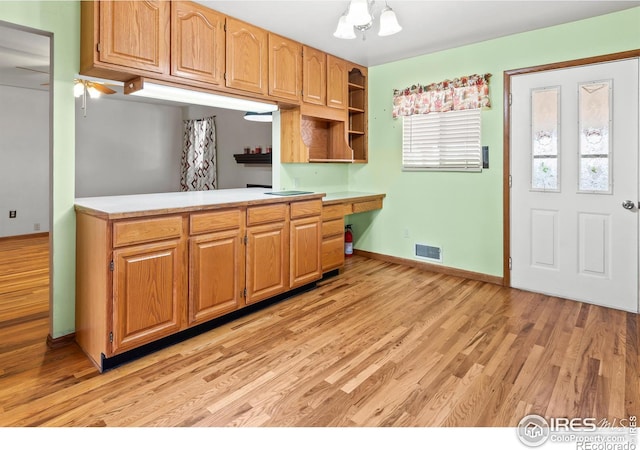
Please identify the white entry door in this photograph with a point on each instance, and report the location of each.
(574, 186)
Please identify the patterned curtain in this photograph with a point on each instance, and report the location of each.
(469, 92)
(199, 155)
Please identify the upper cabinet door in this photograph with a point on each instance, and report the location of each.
(314, 76)
(197, 43)
(337, 77)
(135, 34)
(247, 57)
(285, 68)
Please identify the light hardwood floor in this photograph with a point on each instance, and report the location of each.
(379, 345)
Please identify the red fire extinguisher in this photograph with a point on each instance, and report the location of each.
(348, 241)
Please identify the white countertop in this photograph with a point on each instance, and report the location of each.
(117, 205)
(346, 195)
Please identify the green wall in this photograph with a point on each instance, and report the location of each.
(62, 18)
(461, 212)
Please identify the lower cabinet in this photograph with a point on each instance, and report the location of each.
(216, 263)
(305, 263)
(333, 236)
(145, 278)
(216, 275)
(148, 293)
(332, 244)
(267, 262)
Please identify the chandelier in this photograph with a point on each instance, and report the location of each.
(360, 16)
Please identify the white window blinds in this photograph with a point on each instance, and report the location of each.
(442, 141)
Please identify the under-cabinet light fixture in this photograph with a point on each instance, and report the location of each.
(258, 117)
(142, 88)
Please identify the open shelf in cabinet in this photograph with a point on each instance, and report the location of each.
(357, 114)
(308, 138)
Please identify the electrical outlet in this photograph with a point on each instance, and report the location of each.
(36, 227)
(296, 182)
(406, 233)
(12, 214)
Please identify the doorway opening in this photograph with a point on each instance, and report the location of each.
(26, 218)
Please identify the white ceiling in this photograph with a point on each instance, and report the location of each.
(24, 58)
(428, 26)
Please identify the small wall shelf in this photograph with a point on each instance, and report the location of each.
(256, 158)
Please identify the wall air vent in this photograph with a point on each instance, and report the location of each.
(429, 252)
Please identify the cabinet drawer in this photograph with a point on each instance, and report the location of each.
(266, 214)
(336, 211)
(333, 227)
(367, 206)
(146, 230)
(306, 208)
(215, 221)
(332, 253)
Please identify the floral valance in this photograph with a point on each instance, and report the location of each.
(469, 92)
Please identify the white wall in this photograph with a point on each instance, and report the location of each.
(24, 160)
(233, 135)
(126, 147)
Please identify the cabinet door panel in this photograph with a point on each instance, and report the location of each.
(305, 264)
(314, 76)
(285, 68)
(337, 89)
(267, 261)
(216, 275)
(197, 42)
(135, 34)
(247, 57)
(148, 293)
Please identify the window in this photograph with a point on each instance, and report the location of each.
(545, 125)
(595, 142)
(442, 141)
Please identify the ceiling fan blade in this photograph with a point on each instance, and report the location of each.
(31, 69)
(102, 88)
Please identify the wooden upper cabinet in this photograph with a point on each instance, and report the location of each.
(197, 43)
(314, 76)
(285, 68)
(135, 34)
(337, 78)
(247, 57)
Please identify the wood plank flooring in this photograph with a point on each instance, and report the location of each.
(379, 345)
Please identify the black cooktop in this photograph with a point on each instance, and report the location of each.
(284, 193)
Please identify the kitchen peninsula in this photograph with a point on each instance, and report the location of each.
(153, 265)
